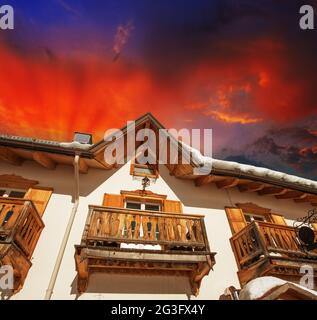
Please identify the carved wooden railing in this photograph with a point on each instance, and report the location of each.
(261, 240)
(106, 226)
(20, 223)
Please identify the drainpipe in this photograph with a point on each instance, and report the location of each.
(61, 252)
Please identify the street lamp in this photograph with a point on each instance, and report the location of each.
(145, 183)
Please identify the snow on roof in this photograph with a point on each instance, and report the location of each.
(75, 145)
(259, 287)
(198, 158)
(27, 139)
(68, 145)
(239, 168)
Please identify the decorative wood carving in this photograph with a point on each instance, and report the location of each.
(253, 208)
(19, 233)
(183, 241)
(14, 181)
(143, 193)
(264, 248)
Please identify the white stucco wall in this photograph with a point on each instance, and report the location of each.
(207, 200)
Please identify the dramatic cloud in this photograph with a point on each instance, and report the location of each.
(121, 38)
(292, 150)
(238, 67)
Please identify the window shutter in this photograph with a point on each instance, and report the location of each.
(40, 197)
(278, 219)
(172, 206)
(236, 219)
(113, 200)
(314, 225)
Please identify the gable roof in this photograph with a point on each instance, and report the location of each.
(225, 174)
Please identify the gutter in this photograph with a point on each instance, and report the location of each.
(61, 252)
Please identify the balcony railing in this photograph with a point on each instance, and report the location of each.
(263, 242)
(20, 223)
(164, 240)
(171, 231)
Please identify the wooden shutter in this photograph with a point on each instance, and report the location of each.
(40, 197)
(236, 219)
(172, 206)
(113, 200)
(314, 225)
(278, 219)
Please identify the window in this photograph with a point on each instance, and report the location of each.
(144, 169)
(250, 217)
(149, 169)
(152, 207)
(142, 206)
(133, 205)
(13, 193)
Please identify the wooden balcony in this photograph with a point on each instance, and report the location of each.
(20, 228)
(148, 242)
(264, 248)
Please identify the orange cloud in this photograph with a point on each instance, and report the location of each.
(228, 118)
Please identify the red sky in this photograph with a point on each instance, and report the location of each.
(240, 69)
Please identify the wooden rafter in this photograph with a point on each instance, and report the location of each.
(10, 156)
(308, 198)
(272, 191)
(202, 180)
(83, 167)
(182, 170)
(291, 195)
(44, 160)
(251, 187)
(227, 183)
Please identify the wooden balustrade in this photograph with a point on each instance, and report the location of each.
(20, 223)
(108, 225)
(263, 243)
(162, 243)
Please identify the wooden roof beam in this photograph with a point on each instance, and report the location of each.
(251, 187)
(44, 160)
(290, 195)
(272, 191)
(182, 170)
(10, 157)
(307, 198)
(203, 180)
(83, 167)
(227, 183)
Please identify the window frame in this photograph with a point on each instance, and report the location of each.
(142, 205)
(7, 192)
